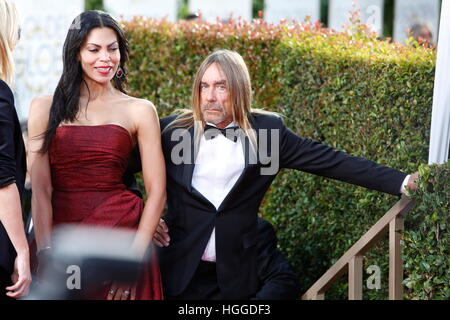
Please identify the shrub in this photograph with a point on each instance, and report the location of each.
(427, 238)
(355, 94)
(94, 5)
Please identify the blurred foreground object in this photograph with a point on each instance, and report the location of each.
(84, 259)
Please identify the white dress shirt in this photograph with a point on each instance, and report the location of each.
(405, 182)
(219, 164)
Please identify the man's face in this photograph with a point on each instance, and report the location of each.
(214, 97)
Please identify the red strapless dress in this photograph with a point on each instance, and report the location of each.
(87, 165)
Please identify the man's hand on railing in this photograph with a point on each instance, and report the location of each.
(412, 181)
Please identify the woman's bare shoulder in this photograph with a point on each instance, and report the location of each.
(141, 107)
(42, 103)
(40, 108)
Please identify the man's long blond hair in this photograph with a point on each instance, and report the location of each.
(240, 94)
(9, 34)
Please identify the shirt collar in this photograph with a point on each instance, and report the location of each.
(228, 126)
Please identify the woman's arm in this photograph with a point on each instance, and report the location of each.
(11, 218)
(153, 171)
(39, 169)
(10, 208)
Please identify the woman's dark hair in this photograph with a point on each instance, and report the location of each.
(66, 99)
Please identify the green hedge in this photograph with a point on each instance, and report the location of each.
(367, 97)
(94, 5)
(427, 238)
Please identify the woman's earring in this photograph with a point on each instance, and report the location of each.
(120, 74)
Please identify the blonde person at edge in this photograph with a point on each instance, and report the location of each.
(79, 142)
(15, 276)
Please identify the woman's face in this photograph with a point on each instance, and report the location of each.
(100, 55)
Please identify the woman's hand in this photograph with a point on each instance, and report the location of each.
(122, 291)
(21, 277)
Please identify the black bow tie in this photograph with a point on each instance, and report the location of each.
(211, 132)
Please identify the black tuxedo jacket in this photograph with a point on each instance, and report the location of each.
(191, 217)
(12, 164)
(277, 280)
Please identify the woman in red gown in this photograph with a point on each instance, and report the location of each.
(80, 141)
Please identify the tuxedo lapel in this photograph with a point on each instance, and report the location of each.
(250, 157)
(251, 154)
(188, 168)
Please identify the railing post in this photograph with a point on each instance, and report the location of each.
(319, 296)
(396, 228)
(355, 278)
(351, 261)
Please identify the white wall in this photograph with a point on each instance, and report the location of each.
(211, 9)
(275, 10)
(39, 53)
(371, 13)
(148, 8)
(410, 12)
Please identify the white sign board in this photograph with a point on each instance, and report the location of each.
(275, 10)
(126, 9)
(213, 9)
(415, 12)
(39, 53)
(371, 13)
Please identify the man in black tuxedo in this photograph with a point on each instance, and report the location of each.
(221, 157)
(276, 278)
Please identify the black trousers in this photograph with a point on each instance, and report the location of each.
(5, 281)
(203, 285)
